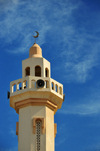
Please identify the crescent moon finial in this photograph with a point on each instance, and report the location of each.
(36, 35)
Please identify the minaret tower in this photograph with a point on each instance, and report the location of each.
(36, 97)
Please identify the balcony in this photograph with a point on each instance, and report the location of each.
(29, 83)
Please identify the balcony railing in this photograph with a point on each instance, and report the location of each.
(30, 82)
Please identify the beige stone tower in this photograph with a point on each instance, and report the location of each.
(36, 97)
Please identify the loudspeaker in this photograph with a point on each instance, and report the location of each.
(40, 83)
(63, 97)
(8, 95)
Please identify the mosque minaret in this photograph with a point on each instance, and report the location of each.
(36, 97)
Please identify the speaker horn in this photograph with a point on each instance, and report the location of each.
(8, 95)
(40, 83)
(63, 97)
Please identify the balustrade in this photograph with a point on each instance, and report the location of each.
(30, 82)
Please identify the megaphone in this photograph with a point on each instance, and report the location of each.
(8, 95)
(40, 83)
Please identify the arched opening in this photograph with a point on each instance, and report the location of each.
(27, 71)
(38, 71)
(46, 72)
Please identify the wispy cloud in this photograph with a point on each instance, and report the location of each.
(90, 105)
(60, 23)
(78, 66)
(80, 55)
(20, 18)
(82, 109)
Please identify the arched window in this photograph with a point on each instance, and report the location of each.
(27, 71)
(46, 72)
(38, 71)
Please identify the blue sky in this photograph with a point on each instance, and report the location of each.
(70, 40)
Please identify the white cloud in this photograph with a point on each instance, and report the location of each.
(17, 23)
(90, 105)
(20, 18)
(55, 20)
(79, 58)
(82, 109)
(81, 68)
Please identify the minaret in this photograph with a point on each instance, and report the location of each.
(36, 97)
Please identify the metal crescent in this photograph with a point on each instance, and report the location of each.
(36, 35)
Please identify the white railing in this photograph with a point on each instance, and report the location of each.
(30, 82)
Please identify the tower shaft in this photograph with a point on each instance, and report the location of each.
(27, 137)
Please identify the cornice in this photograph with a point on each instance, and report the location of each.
(35, 102)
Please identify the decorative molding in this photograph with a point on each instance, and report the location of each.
(35, 102)
(55, 129)
(42, 126)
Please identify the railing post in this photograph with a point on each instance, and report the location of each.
(17, 86)
(29, 82)
(12, 88)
